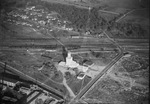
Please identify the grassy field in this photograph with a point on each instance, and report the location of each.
(28, 60)
(108, 16)
(111, 88)
(119, 3)
(77, 85)
(140, 17)
(135, 20)
(125, 3)
(144, 13)
(125, 84)
(116, 9)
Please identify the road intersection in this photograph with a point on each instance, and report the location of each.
(101, 74)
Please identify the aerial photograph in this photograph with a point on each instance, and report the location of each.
(74, 51)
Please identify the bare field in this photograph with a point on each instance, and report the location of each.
(124, 84)
(29, 64)
(19, 31)
(27, 60)
(31, 40)
(139, 16)
(117, 10)
(135, 20)
(144, 13)
(77, 85)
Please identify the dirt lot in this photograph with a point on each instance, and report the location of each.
(122, 86)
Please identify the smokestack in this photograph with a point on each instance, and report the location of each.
(64, 53)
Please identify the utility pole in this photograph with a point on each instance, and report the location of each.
(64, 53)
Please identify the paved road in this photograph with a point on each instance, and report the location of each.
(52, 90)
(104, 11)
(124, 15)
(90, 84)
(95, 80)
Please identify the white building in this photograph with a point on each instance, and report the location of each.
(72, 64)
(69, 61)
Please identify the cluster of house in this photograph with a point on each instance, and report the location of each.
(31, 94)
(38, 16)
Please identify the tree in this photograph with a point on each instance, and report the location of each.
(67, 75)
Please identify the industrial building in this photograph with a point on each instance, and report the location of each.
(71, 64)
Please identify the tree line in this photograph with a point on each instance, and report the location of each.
(129, 30)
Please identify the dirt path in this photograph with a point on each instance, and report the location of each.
(68, 88)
